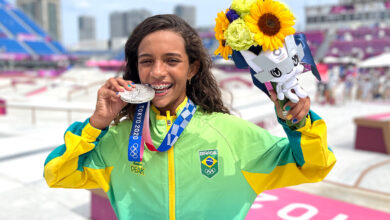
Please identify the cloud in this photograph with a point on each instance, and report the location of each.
(81, 4)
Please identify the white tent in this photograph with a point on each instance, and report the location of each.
(382, 60)
(223, 62)
(340, 60)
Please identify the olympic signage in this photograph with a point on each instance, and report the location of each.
(289, 204)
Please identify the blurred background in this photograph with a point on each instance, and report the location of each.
(54, 55)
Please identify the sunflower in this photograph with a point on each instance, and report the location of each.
(221, 25)
(271, 22)
(224, 50)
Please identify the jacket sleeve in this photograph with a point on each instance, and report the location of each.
(78, 163)
(279, 162)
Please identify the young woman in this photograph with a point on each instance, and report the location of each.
(219, 163)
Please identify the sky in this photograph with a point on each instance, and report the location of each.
(206, 11)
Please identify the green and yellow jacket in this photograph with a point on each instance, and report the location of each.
(216, 169)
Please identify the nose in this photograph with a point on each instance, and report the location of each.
(158, 69)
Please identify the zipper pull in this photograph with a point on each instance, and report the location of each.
(169, 119)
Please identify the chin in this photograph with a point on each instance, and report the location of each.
(159, 104)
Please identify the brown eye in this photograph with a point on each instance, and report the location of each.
(173, 61)
(145, 61)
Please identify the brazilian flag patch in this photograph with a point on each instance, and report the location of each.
(208, 162)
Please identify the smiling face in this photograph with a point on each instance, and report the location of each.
(163, 63)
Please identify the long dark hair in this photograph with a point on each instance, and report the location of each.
(203, 89)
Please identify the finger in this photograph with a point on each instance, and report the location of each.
(273, 96)
(287, 109)
(274, 99)
(107, 84)
(127, 84)
(300, 110)
(279, 111)
(131, 83)
(302, 114)
(108, 93)
(115, 99)
(115, 85)
(297, 108)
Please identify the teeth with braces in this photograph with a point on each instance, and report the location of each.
(160, 86)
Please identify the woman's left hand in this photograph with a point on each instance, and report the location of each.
(292, 111)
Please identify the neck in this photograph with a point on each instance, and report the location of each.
(172, 108)
(164, 112)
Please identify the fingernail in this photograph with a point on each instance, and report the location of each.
(133, 83)
(128, 85)
(288, 108)
(117, 93)
(295, 120)
(289, 117)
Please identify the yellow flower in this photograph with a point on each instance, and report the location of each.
(242, 7)
(221, 25)
(271, 22)
(238, 36)
(224, 50)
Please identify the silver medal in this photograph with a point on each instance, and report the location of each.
(140, 94)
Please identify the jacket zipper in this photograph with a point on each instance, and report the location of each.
(171, 174)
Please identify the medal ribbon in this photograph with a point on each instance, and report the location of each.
(141, 126)
(135, 147)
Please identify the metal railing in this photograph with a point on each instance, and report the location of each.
(67, 108)
(83, 88)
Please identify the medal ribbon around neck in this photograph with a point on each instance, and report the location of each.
(140, 132)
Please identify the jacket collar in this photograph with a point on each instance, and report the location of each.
(177, 111)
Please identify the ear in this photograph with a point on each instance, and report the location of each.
(194, 68)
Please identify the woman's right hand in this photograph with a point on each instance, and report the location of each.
(108, 103)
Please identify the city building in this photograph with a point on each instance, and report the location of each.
(46, 13)
(87, 28)
(122, 24)
(188, 13)
(117, 25)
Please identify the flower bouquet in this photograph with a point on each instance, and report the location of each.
(259, 34)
